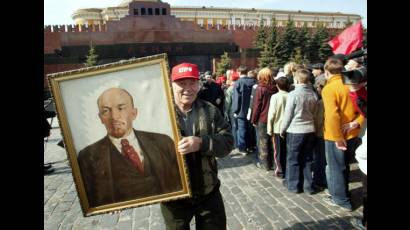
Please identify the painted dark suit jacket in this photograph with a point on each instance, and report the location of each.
(96, 168)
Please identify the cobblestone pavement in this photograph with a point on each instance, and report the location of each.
(254, 199)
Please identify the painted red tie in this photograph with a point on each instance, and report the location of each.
(132, 155)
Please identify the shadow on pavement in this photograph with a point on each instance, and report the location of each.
(235, 160)
(60, 170)
(356, 197)
(332, 223)
(58, 162)
(52, 140)
(355, 176)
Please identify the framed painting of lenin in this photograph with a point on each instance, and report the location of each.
(119, 127)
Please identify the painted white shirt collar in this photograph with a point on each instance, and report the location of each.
(132, 139)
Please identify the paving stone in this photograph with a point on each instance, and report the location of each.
(298, 226)
(299, 201)
(284, 201)
(55, 218)
(259, 219)
(234, 174)
(316, 215)
(342, 224)
(268, 212)
(235, 190)
(270, 200)
(142, 224)
(322, 208)
(274, 192)
(109, 220)
(141, 213)
(69, 219)
(124, 225)
(63, 207)
(91, 222)
(280, 223)
(284, 213)
(313, 226)
(243, 218)
(52, 225)
(69, 197)
(300, 214)
(233, 223)
(265, 183)
(46, 216)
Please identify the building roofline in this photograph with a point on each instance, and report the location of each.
(259, 10)
(224, 9)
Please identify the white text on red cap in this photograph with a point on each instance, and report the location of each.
(184, 69)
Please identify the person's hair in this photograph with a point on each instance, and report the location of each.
(340, 57)
(125, 91)
(275, 71)
(334, 66)
(302, 75)
(282, 83)
(252, 73)
(358, 60)
(321, 70)
(320, 82)
(228, 74)
(265, 76)
(242, 69)
(296, 67)
(287, 69)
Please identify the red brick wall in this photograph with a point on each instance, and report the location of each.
(144, 29)
(244, 38)
(52, 41)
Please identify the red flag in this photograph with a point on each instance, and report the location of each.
(349, 40)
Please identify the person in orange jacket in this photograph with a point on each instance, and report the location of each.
(341, 129)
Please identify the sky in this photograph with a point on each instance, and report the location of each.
(58, 12)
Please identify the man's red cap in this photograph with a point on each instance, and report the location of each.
(185, 70)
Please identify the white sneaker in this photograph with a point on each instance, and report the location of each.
(258, 165)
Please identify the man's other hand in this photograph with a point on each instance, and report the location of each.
(282, 135)
(189, 144)
(341, 145)
(349, 127)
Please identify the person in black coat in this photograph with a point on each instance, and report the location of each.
(212, 92)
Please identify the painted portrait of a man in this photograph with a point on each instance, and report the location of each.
(127, 163)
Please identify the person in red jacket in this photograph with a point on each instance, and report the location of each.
(221, 81)
(356, 79)
(259, 119)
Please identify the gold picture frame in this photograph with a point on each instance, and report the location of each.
(98, 172)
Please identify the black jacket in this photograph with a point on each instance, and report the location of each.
(242, 96)
(211, 91)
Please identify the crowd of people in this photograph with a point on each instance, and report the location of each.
(304, 122)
